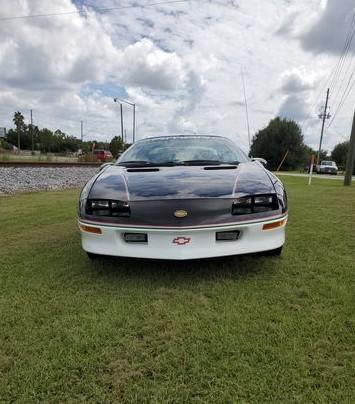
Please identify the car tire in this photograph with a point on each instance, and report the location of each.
(93, 256)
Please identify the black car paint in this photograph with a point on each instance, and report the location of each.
(207, 195)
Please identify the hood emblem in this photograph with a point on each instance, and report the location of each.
(180, 213)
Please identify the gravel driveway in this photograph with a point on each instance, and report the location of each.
(26, 179)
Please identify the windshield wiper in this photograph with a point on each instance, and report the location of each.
(234, 163)
(143, 163)
(208, 162)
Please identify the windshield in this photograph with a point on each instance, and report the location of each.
(327, 163)
(184, 150)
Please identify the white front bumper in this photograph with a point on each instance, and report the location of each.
(202, 241)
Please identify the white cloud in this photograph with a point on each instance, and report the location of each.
(143, 64)
(297, 80)
(46, 53)
(180, 64)
(295, 107)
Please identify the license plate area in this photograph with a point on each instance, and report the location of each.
(231, 235)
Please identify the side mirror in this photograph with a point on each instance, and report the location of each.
(260, 160)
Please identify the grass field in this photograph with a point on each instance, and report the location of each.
(247, 329)
(38, 158)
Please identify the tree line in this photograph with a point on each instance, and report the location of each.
(30, 137)
(279, 137)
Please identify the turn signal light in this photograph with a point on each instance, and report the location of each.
(274, 225)
(90, 229)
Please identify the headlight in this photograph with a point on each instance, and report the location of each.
(106, 207)
(264, 199)
(254, 204)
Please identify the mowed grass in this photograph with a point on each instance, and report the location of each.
(241, 329)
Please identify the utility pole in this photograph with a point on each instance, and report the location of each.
(134, 123)
(325, 115)
(81, 131)
(121, 108)
(32, 131)
(351, 157)
(125, 136)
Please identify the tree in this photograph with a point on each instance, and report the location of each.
(339, 154)
(45, 141)
(20, 125)
(272, 143)
(5, 145)
(116, 146)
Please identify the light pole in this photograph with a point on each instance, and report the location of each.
(134, 115)
(121, 112)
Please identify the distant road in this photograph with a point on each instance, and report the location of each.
(322, 177)
(12, 163)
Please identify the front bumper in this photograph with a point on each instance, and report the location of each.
(201, 242)
(328, 170)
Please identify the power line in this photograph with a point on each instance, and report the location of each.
(346, 74)
(96, 9)
(339, 66)
(336, 73)
(337, 69)
(344, 97)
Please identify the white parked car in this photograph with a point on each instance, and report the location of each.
(327, 167)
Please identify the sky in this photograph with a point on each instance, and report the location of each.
(180, 63)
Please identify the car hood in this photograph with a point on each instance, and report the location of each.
(181, 182)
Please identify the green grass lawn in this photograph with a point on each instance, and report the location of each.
(247, 329)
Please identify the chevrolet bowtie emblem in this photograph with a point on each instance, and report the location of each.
(180, 213)
(182, 240)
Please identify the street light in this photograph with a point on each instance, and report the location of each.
(134, 115)
(121, 108)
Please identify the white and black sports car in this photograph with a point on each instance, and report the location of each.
(183, 197)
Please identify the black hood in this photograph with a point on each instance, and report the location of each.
(181, 182)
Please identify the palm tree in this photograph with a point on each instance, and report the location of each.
(19, 122)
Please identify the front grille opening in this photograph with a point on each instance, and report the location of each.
(227, 235)
(219, 168)
(135, 237)
(142, 170)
